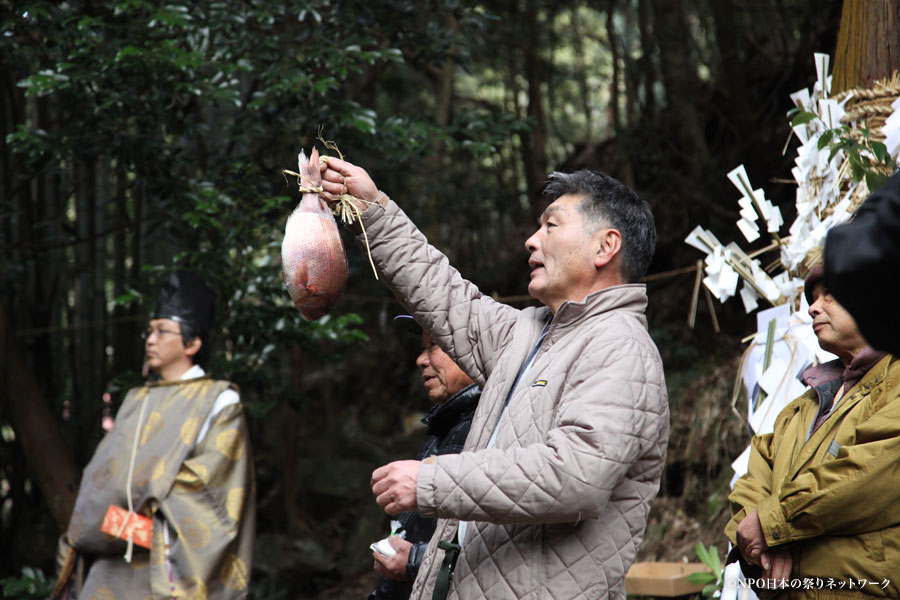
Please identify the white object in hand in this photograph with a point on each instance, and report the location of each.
(384, 548)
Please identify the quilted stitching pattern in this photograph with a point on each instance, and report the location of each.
(559, 506)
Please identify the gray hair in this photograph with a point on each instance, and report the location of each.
(608, 202)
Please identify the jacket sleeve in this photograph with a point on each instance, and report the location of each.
(204, 515)
(754, 486)
(469, 326)
(849, 494)
(605, 426)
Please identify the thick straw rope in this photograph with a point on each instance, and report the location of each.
(867, 108)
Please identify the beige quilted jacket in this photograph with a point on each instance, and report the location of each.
(557, 508)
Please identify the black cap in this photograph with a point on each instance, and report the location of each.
(407, 324)
(816, 276)
(185, 298)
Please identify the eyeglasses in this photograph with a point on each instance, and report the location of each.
(148, 333)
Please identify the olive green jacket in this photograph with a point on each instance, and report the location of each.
(832, 499)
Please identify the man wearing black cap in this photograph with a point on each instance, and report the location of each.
(454, 397)
(818, 501)
(166, 506)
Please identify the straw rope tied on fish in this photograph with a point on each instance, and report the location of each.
(313, 259)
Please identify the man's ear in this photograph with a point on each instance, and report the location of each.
(607, 244)
(193, 347)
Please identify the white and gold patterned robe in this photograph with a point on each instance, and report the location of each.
(199, 492)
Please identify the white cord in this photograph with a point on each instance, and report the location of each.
(134, 447)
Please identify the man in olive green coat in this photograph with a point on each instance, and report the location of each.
(166, 506)
(817, 513)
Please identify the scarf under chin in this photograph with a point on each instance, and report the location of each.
(850, 375)
(828, 378)
(867, 358)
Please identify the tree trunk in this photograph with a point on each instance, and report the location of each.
(614, 83)
(732, 67)
(868, 45)
(89, 308)
(36, 429)
(446, 77)
(680, 80)
(646, 73)
(534, 156)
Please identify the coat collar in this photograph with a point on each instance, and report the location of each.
(443, 416)
(875, 376)
(631, 297)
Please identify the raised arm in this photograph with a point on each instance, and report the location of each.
(470, 327)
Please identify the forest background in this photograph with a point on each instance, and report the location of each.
(142, 137)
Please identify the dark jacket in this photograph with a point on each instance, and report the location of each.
(447, 427)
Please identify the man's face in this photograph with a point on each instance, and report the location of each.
(562, 255)
(834, 327)
(163, 346)
(441, 376)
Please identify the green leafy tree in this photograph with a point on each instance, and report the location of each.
(144, 137)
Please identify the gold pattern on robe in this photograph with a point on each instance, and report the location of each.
(105, 472)
(234, 573)
(189, 431)
(190, 488)
(103, 593)
(188, 480)
(194, 588)
(234, 502)
(150, 468)
(230, 444)
(201, 471)
(159, 471)
(158, 559)
(152, 426)
(194, 532)
(196, 389)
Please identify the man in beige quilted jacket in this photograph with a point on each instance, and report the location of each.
(550, 496)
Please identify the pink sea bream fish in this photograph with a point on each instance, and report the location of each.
(313, 260)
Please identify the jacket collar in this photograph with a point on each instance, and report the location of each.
(861, 364)
(863, 388)
(443, 416)
(631, 297)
